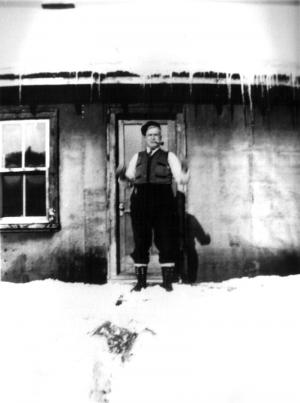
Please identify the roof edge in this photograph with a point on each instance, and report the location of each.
(126, 77)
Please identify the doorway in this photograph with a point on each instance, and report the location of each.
(131, 141)
(124, 140)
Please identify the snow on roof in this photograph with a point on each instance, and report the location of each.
(124, 77)
(150, 38)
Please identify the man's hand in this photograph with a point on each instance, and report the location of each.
(184, 165)
(121, 172)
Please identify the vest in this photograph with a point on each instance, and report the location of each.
(153, 169)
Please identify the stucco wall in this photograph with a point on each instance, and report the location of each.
(77, 252)
(244, 190)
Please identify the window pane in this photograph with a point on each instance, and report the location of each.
(35, 136)
(11, 195)
(11, 146)
(36, 194)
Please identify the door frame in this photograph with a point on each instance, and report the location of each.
(131, 112)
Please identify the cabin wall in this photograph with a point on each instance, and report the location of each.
(77, 252)
(244, 190)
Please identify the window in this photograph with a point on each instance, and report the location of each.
(28, 171)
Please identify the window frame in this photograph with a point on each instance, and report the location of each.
(50, 221)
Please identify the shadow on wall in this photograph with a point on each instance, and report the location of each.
(254, 260)
(245, 260)
(65, 265)
(241, 259)
(189, 231)
(17, 271)
(89, 267)
(280, 263)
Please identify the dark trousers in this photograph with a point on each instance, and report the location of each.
(153, 217)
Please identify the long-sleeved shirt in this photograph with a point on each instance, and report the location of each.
(179, 175)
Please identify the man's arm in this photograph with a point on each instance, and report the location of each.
(179, 170)
(127, 174)
(130, 171)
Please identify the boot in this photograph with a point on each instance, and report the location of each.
(167, 275)
(141, 276)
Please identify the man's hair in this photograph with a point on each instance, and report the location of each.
(150, 123)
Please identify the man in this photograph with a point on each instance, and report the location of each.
(153, 208)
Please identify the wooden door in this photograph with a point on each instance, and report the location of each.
(131, 141)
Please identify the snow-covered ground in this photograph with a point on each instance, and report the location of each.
(230, 342)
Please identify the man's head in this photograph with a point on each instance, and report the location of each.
(152, 132)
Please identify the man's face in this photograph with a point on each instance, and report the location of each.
(153, 137)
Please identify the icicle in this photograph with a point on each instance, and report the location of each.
(20, 89)
(150, 80)
(294, 84)
(273, 80)
(1, 253)
(191, 75)
(268, 87)
(255, 80)
(243, 99)
(250, 100)
(98, 85)
(262, 85)
(242, 90)
(228, 83)
(144, 78)
(171, 80)
(295, 81)
(250, 92)
(258, 80)
(268, 83)
(91, 87)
